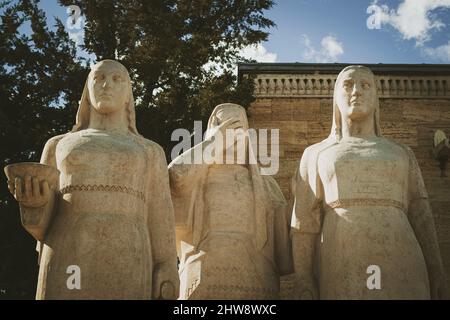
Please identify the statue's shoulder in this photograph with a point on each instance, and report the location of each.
(153, 149)
(57, 138)
(274, 190)
(405, 148)
(273, 185)
(314, 149)
(48, 154)
(53, 141)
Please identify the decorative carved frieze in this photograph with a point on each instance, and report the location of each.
(322, 85)
(106, 188)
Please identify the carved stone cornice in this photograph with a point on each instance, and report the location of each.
(317, 79)
(322, 85)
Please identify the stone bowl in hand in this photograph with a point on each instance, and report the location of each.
(34, 186)
(33, 169)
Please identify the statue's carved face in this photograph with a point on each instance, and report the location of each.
(108, 88)
(356, 94)
(240, 128)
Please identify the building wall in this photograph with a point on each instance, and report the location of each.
(305, 120)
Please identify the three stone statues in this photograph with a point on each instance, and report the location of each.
(114, 210)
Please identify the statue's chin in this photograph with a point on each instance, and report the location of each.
(357, 115)
(105, 108)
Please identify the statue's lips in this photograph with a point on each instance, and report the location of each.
(106, 95)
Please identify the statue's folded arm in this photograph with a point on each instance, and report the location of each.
(160, 225)
(306, 211)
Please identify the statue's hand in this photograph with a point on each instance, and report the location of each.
(220, 130)
(165, 282)
(306, 289)
(231, 124)
(30, 193)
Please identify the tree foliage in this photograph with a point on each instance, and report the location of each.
(165, 44)
(39, 89)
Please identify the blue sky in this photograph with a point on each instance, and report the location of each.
(407, 31)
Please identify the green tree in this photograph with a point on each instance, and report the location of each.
(165, 44)
(40, 84)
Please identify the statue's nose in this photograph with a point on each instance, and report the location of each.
(106, 83)
(356, 90)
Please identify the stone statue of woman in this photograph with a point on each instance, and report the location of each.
(362, 225)
(231, 226)
(113, 225)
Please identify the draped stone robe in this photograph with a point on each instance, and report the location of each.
(114, 217)
(231, 229)
(360, 197)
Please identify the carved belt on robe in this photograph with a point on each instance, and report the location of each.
(106, 188)
(343, 203)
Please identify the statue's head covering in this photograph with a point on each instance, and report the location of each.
(212, 122)
(84, 108)
(213, 118)
(336, 128)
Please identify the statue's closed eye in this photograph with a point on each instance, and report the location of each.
(99, 77)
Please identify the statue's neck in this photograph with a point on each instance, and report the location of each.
(115, 121)
(364, 128)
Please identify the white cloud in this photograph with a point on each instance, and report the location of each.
(258, 53)
(330, 49)
(255, 52)
(439, 53)
(414, 19)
